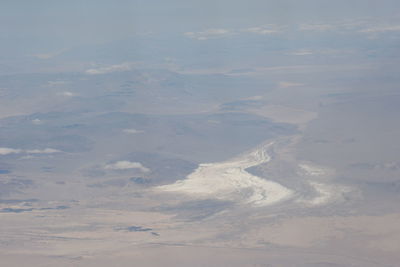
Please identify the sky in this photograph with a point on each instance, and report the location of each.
(30, 25)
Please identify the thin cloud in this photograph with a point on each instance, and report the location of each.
(264, 30)
(307, 52)
(289, 84)
(67, 93)
(221, 33)
(110, 69)
(382, 29)
(49, 55)
(132, 131)
(360, 25)
(125, 165)
(37, 121)
(44, 56)
(210, 33)
(6, 151)
(317, 27)
(42, 151)
(56, 83)
(301, 53)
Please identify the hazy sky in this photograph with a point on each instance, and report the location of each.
(66, 23)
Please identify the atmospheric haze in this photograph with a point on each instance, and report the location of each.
(199, 133)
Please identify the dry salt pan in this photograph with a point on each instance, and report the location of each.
(229, 180)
